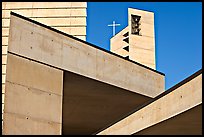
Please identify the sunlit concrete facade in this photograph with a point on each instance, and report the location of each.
(59, 84)
(176, 112)
(69, 17)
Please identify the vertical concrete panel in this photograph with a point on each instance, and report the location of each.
(143, 42)
(22, 125)
(33, 98)
(34, 75)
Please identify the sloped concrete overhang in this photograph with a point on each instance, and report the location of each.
(176, 111)
(94, 88)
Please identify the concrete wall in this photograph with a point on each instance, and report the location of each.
(179, 100)
(33, 98)
(37, 81)
(117, 43)
(47, 46)
(69, 17)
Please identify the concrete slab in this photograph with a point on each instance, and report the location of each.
(61, 50)
(178, 99)
(186, 123)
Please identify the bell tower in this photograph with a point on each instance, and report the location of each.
(137, 41)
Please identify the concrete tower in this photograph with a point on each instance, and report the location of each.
(137, 41)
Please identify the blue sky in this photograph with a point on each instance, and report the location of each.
(178, 33)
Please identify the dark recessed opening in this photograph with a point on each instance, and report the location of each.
(135, 20)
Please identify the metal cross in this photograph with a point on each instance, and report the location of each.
(113, 25)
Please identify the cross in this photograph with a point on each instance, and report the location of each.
(113, 25)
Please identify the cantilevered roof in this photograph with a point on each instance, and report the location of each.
(98, 86)
(72, 54)
(178, 109)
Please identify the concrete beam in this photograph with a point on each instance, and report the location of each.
(39, 42)
(186, 123)
(178, 99)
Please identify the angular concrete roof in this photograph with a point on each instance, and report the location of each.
(176, 111)
(102, 91)
(98, 86)
(84, 58)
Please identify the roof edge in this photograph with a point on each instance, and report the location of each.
(85, 42)
(156, 98)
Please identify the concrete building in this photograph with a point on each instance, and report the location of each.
(64, 85)
(69, 17)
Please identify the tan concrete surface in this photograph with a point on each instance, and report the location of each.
(179, 100)
(73, 30)
(121, 52)
(23, 5)
(4, 59)
(147, 16)
(81, 21)
(24, 100)
(23, 125)
(81, 37)
(186, 123)
(66, 53)
(145, 41)
(141, 47)
(65, 14)
(5, 32)
(4, 40)
(4, 49)
(30, 70)
(117, 41)
(33, 90)
(46, 12)
(3, 88)
(3, 78)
